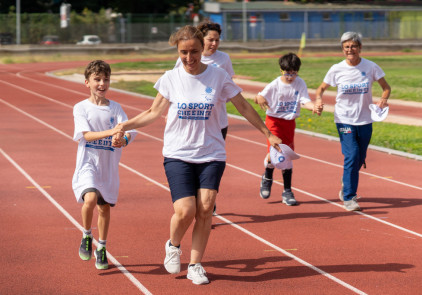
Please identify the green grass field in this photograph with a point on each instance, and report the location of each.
(402, 73)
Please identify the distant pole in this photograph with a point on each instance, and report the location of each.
(18, 22)
(245, 20)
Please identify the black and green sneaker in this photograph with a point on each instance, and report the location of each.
(85, 250)
(101, 256)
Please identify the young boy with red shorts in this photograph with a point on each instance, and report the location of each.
(282, 100)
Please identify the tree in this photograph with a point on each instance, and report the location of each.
(123, 6)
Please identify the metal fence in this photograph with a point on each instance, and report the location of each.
(145, 28)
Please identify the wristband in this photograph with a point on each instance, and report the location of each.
(127, 141)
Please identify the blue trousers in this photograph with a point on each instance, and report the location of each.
(354, 144)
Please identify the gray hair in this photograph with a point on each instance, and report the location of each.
(353, 36)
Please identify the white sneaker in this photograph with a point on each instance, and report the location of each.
(197, 274)
(172, 260)
(352, 205)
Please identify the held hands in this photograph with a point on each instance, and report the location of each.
(118, 139)
(318, 108)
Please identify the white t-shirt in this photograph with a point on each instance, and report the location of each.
(193, 132)
(354, 90)
(97, 161)
(220, 60)
(284, 100)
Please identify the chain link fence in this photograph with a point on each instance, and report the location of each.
(147, 28)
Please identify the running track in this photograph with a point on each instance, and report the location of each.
(256, 246)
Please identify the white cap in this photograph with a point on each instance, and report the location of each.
(378, 114)
(284, 159)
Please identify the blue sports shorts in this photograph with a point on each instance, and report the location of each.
(185, 179)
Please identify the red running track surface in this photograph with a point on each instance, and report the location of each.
(256, 246)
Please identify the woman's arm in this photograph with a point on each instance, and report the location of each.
(149, 116)
(386, 90)
(96, 135)
(247, 111)
(319, 92)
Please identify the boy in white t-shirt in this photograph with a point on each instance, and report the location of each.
(96, 178)
(282, 100)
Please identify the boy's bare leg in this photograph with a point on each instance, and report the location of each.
(103, 221)
(90, 201)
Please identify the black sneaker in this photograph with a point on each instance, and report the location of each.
(101, 256)
(288, 198)
(85, 250)
(215, 209)
(265, 189)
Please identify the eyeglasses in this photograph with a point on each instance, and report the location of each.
(353, 47)
(290, 75)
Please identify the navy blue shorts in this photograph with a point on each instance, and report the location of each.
(186, 178)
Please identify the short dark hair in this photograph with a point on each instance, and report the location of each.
(207, 26)
(290, 62)
(97, 67)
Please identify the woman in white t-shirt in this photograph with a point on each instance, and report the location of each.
(353, 78)
(216, 58)
(194, 148)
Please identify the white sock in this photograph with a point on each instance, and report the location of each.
(87, 233)
(101, 244)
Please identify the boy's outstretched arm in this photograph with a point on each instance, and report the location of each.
(259, 99)
(95, 135)
(316, 109)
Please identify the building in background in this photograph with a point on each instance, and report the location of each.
(272, 20)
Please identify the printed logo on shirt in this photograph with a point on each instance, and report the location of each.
(355, 88)
(209, 93)
(345, 130)
(288, 106)
(194, 111)
(101, 144)
(214, 65)
(363, 74)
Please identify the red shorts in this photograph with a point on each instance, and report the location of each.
(283, 129)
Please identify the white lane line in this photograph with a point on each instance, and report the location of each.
(335, 204)
(299, 260)
(230, 135)
(82, 94)
(331, 164)
(167, 189)
(240, 169)
(75, 223)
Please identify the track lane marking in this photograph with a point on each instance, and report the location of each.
(230, 135)
(118, 265)
(240, 169)
(127, 273)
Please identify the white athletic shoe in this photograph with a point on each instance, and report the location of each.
(197, 274)
(172, 260)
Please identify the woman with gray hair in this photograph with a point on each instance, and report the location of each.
(353, 78)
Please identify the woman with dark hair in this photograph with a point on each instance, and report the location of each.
(194, 150)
